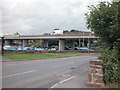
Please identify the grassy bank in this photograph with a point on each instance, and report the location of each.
(39, 55)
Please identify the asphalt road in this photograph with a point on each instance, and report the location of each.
(43, 73)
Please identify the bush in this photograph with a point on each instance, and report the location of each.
(110, 65)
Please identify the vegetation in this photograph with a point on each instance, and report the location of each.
(40, 55)
(46, 34)
(36, 43)
(65, 31)
(113, 85)
(104, 21)
(17, 33)
(73, 30)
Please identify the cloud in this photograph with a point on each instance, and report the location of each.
(42, 16)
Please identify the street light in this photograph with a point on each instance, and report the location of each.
(2, 45)
(79, 40)
(88, 42)
(83, 38)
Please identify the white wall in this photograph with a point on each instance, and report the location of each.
(55, 32)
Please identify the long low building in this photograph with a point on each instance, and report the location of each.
(60, 38)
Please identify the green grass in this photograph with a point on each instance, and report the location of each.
(40, 55)
(113, 85)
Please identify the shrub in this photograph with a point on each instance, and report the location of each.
(110, 64)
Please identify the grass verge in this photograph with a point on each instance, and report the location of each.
(113, 85)
(38, 55)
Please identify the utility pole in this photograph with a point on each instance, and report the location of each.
(83, 39)
(2, 45)
(79, 40)
(88, 42)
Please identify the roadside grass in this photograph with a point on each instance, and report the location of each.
(38, 55)
(113, 85)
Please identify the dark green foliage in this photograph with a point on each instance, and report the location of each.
(16, 33)
(110, 66)
(65, 31)
(104, 21)
(73, 30)
(36, 43)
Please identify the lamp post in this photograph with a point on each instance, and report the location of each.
(83, 38)
(88, 42)
(2, 45)
(79, 40)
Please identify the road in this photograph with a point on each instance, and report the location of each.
(43, 73)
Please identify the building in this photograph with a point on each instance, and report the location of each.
(57, 32)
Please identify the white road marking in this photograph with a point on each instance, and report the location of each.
(62, 65)
(63, 81)
(53, 86)
(67, 79)
(19, 73)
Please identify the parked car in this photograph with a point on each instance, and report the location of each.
(52, 49)
(67, 48)
(44, 48)
(32, 48)
(56, 47)
(39, 48)
(77, 48)
(20, 48)
(14, 48)
(26, 48)
(7, 47)
(83, 48)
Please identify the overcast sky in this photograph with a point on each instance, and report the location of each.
(42, 16)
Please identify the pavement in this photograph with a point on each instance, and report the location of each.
(66, 72)
(4, 59)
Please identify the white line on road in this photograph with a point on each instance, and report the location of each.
(63, 81)
(19, 73)
(62, 65)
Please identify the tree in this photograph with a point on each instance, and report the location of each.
(73, 30)
(104, 21)
(17, 33)
(46, 34)
(65, 31)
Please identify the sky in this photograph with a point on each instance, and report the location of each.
(34, 17)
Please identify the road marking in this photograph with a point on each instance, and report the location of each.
(63, 81)
(62, 65)
(19, 73)
(10, 64)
